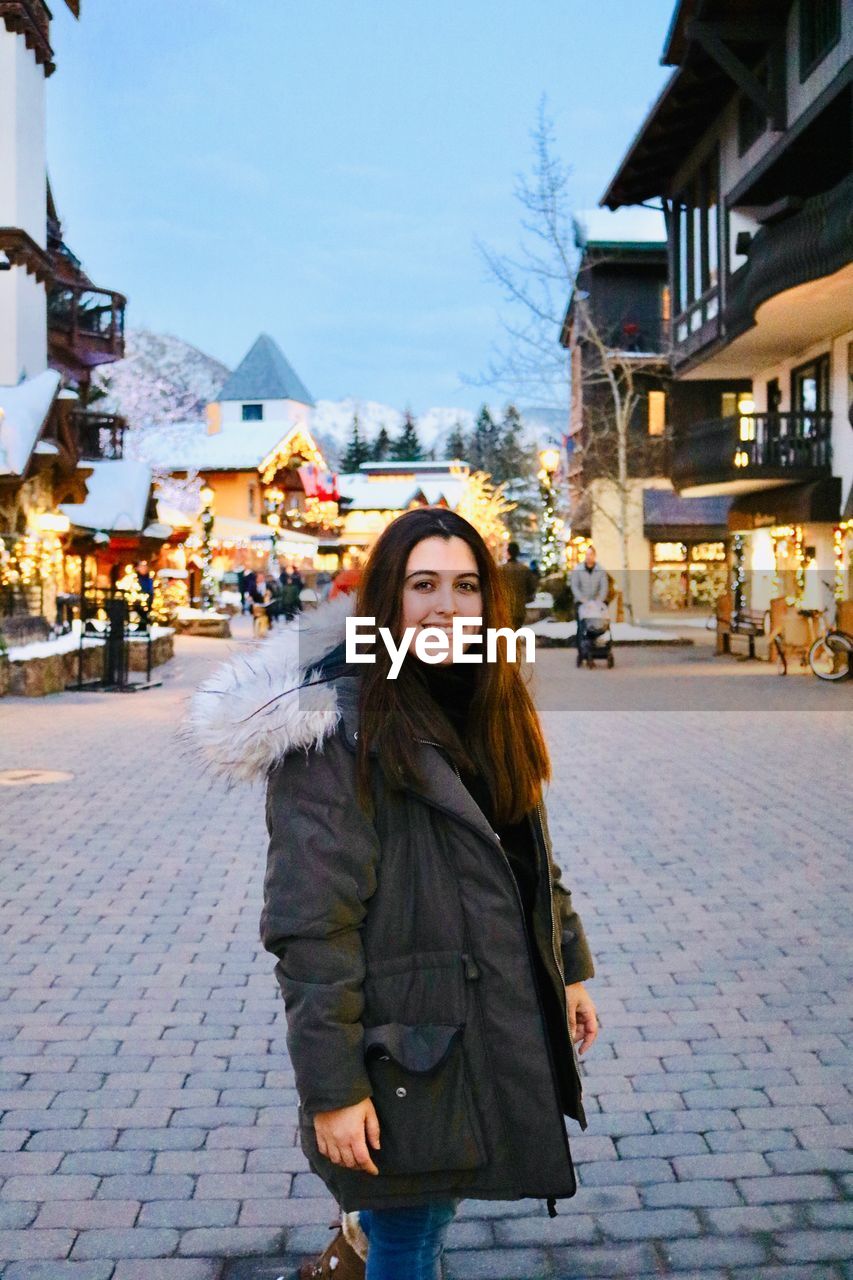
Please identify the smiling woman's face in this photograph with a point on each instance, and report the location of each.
(441, 582)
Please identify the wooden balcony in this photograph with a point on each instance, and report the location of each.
(100, 436)
(752, 451)
(85, 325)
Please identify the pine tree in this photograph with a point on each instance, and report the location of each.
(381, 447)
(483, 442)
(407, 446)
(512, 461)
(456, 443)
(357, 450)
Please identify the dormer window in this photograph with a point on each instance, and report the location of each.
(253, 413)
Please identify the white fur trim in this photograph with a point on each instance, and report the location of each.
(260, 705)
(353, 1234)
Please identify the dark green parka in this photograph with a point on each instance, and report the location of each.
(401, 950)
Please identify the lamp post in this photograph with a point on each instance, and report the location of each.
(208, 586)
(549, 465)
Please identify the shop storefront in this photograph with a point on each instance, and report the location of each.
(687, 575)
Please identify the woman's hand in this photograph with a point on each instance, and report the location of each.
(341, 1135)
(583, 1020)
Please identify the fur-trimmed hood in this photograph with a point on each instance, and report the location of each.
(260, 705)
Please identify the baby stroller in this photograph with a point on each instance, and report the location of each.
(594, 637)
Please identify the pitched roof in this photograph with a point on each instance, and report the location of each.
(265, 374)
(23, 412)
(183, 446)
(117, 494)
(365, 494)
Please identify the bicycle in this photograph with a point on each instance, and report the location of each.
(831, 655)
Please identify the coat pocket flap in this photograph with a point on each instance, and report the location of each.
(419, 1049)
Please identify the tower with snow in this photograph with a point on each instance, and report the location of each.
(263, 388)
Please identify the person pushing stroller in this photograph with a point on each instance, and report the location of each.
(590, 585)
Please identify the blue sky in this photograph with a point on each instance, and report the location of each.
(320, 169)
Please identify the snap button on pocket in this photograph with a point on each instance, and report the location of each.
(401, 1092)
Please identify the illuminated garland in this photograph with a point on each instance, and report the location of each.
(800, 560)
(484, 505)
(31, 560)
(840, 535)
(208, 582)
(549, 542)
(738, 572)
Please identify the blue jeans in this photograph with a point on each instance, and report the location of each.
(407, 1244)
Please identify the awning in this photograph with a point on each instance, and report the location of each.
(817, 502)
(667, 517)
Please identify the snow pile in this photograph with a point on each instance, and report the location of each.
(50, 648)
(186, 614)
(622, 632)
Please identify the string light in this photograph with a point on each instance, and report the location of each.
(738, 572)
(840, 536)
(485, 506)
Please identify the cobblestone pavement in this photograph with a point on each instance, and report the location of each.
(148, 1111)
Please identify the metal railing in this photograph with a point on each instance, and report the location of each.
(100, 435)
(769, 443)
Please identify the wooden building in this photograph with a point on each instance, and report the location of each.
(749, 148)
(617, 326)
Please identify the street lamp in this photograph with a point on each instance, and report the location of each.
(208, 586)
(549, 464)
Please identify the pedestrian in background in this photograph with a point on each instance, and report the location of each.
(589, 583)
(428, 953)
(520, 583)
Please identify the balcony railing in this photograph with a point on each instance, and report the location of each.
(88, 322)
(812, 243)
(734, 452)
(100, 436)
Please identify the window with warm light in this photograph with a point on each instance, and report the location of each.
(657, 413)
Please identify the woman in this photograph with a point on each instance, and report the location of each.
(430, 960)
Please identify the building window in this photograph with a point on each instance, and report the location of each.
(697, 254)
(810, 386)
(253, 497)
(657, 413)
(253, 412)
(687, 575)
(733, 403)
(820, 31)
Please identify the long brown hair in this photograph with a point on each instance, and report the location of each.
(504, 741)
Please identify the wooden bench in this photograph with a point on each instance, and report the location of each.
(747, 622)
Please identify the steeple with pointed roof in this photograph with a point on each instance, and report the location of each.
(265, 374)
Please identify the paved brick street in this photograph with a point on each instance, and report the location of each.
(148, 1111)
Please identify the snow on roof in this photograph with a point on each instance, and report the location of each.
(23, 411)
(395, 495)
(117, 497)
(186, 446)
(635, 225)
(265, 374)
(441, 468)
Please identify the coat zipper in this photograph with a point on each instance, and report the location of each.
(468, 959)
